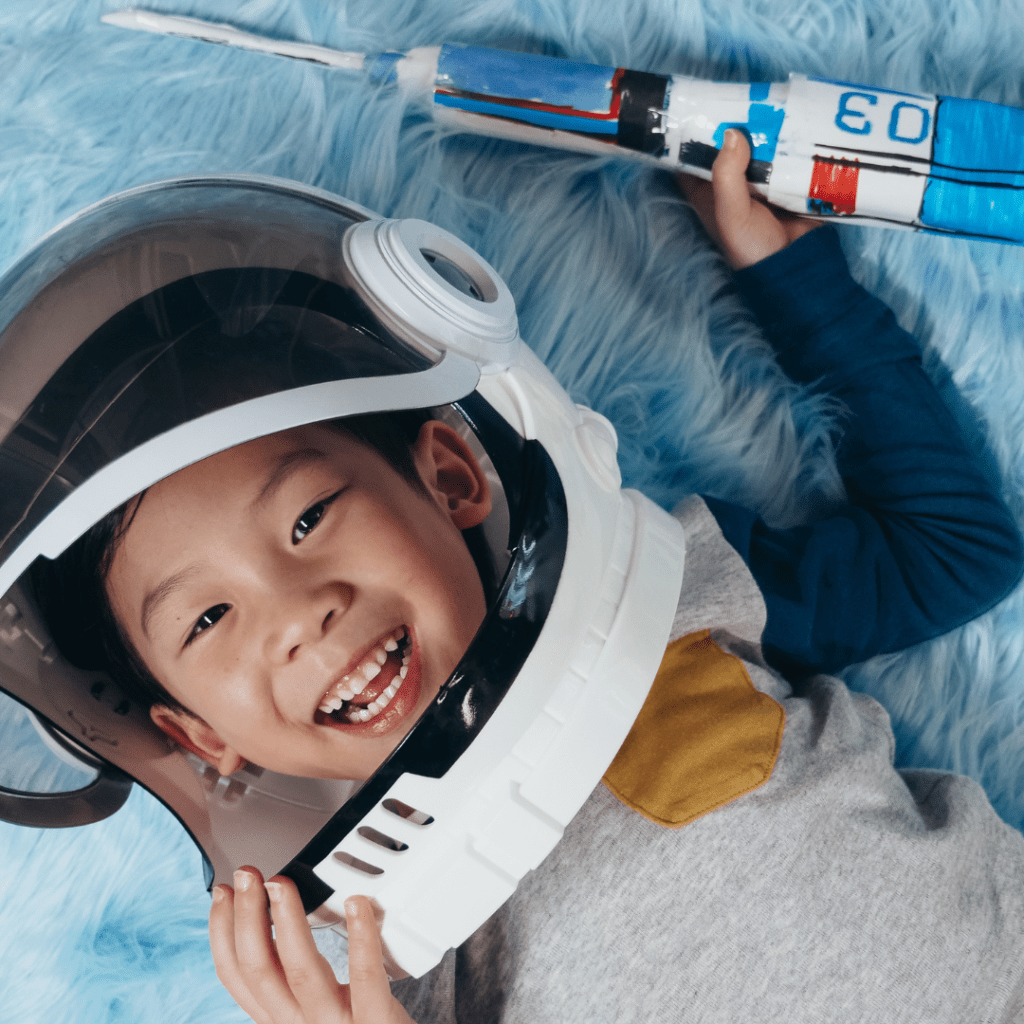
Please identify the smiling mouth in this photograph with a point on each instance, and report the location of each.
(368, 690)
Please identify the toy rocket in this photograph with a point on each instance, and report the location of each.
(820, 148)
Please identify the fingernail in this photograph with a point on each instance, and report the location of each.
(351, 909)
(274, 891)
(731, 139)
(218, 894)
(243, 879)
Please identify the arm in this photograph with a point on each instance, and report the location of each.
(926, 543)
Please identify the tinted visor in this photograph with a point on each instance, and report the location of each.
(190, 348)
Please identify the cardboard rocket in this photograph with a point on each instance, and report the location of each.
(821, 148)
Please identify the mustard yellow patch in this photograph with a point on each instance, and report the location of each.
(704, 736)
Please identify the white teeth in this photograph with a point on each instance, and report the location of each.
(356, 681)
(375, 707)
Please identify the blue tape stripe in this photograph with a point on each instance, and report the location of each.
(975, 134)
(979, 144)
(974, 209)
(525, 76)
(759, 90)
(541, 118)
(764, 122)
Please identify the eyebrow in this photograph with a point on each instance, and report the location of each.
(161, 592)
(286, 466)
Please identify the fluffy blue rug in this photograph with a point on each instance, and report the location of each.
(617, 290)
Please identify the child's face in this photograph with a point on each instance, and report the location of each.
(256, 581)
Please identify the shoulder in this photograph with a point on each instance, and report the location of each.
(718, 589)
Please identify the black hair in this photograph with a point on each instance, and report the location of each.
(71, 590)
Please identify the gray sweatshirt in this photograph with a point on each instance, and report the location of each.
(815, 883)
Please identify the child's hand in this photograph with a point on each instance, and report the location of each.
(746, 229)
(287, 981)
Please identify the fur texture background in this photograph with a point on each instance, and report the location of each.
(617, 289)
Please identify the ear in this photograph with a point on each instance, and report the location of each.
(452, 475)
(195, 735)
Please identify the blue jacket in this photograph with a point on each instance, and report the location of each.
(925, 543)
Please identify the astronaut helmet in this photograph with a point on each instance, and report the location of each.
(178, 320)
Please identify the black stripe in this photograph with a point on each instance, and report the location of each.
(919, 159)
(642, 100)
(700, 154)
(931, 175)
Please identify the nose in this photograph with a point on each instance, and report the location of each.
(301, 616)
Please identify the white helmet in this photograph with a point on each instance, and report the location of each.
(105, 388)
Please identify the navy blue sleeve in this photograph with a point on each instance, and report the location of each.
(925, 543)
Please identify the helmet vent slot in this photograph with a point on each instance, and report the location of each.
(382, 840)
(356, 864)
(407, 812)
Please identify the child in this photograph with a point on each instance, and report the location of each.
(231, 602)
(811, 881)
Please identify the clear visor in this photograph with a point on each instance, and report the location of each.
(114, 335)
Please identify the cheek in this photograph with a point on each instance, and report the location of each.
(463, 588)
(216, 681)
(414, 547)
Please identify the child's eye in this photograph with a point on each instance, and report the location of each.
(308, 521)
(206, 620)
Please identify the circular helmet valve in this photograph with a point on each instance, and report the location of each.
(426, 284)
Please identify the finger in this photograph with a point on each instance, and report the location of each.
(696, 191)
(733, 202)
(258, 962)
(699, 194)
(222, 946)
(368, 982)
(308, 974)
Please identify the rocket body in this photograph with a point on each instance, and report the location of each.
(820, 148)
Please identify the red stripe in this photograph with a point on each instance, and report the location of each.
(835, 184)
(611, 115)
(504, 101)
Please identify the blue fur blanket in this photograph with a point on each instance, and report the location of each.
(617, 290)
